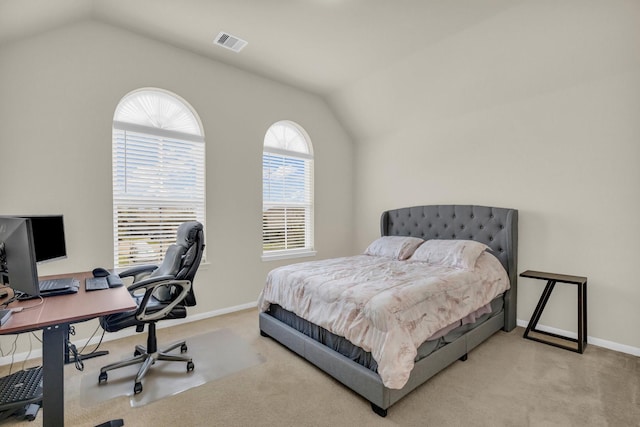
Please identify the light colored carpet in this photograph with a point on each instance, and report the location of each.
(507, 381)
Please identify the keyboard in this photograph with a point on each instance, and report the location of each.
(21, 388)
(56, 284)
(96, 283)
(53, 287)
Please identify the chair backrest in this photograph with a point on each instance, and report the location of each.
(194, 239)
(183, 259)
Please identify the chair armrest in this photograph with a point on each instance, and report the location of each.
(149, 282)
(138, 272)
(150, 285)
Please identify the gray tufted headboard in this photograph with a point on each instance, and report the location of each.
(495, 227)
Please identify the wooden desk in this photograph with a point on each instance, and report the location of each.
(53, 317)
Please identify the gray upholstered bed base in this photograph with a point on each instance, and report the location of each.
(496, 227)
(366, 382)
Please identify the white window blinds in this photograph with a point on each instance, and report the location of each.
(158, 183)
(287, 209)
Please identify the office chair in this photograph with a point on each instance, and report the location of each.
(161, 292)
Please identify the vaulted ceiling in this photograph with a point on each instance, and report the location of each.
(320, 46)
(382, 65)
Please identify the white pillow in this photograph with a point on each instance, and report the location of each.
(460, 254)
(396, 247)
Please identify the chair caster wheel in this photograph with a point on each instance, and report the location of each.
(136, 353)
(190, 366)
(102, 378)
(137, 388)
(183, 348)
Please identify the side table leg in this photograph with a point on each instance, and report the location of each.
(540, 307)
(582, 317)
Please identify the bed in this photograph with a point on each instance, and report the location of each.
(356, 367)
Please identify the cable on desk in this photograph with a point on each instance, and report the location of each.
(36, 337)
(24, 361)
(78, 355)
(9, 301)
(17, 296)
(89, 340)
(14, 344)
(14, 348)
(23, 308)
(12, 351)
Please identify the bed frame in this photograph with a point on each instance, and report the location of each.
(495, 227)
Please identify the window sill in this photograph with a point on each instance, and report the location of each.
(288, 255)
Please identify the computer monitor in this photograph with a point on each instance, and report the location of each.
(48, 237)
(17, 256)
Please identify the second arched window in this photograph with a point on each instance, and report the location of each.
(287, 192)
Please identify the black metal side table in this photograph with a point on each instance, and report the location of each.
(552, 279)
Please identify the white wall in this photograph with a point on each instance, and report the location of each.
(538, 109)
(58, 93)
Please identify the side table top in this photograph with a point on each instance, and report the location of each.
(564, 278)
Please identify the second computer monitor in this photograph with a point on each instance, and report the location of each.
(48, 237)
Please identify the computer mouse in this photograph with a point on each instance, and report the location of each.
(101, 272)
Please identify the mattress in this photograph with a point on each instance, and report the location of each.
(346, 348)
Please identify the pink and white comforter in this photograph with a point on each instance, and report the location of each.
(384, 306)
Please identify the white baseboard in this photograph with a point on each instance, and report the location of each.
(18, 358)
(622, 348)
(37, 353)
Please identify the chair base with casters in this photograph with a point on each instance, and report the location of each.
(148, 356)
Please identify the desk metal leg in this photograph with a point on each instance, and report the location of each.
(53, 348)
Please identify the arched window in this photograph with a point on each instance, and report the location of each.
(287, 192)
(158, 174)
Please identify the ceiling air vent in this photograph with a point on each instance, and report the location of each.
(230, 42)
